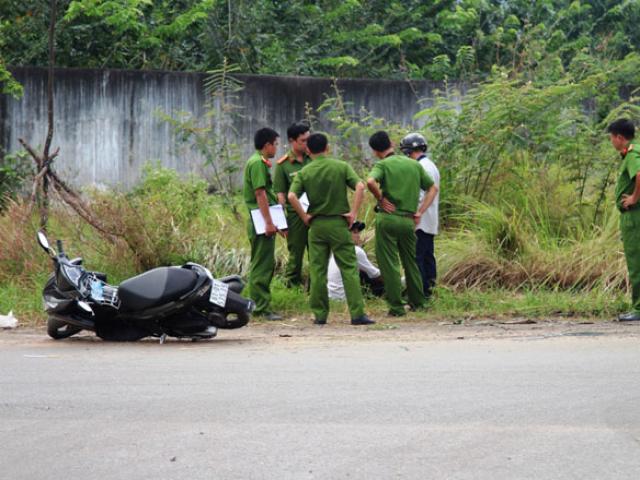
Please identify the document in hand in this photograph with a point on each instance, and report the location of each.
(277, 216)
(304, 201)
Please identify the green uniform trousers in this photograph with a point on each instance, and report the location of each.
(297, 238)
(630, 230)
(263, 264)
(395, 236)
(327, 235)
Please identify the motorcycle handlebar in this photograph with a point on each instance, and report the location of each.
(60, 250)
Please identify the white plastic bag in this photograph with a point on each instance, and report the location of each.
(8, 321)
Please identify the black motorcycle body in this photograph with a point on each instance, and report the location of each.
(182, 302)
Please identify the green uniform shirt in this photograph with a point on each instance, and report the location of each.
(324, 181)
(401, 179)
(627, 179)
(257, 175)
(285, 172)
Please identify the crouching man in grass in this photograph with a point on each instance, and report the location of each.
(622, 133)
(325, 181)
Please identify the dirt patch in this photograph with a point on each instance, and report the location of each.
(301, 330)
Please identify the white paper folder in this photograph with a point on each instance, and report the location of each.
(304, 201)
(277, 216)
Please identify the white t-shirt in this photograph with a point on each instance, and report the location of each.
(429, 221)
(334, 278)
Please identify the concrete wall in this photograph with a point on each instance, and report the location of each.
(107, 126)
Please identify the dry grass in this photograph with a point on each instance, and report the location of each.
(20, 256)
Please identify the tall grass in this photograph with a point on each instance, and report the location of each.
(511, 257)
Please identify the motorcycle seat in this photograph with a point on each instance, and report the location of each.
(155, 287)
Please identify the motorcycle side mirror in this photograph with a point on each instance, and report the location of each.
(44, 243)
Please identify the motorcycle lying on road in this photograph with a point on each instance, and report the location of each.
(182, 302)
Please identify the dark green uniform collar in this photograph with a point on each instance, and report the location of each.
(291, 157)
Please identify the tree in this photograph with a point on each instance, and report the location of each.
(362, 38)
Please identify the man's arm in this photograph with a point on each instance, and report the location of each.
(365, 265)
(629, 201)
(297, 188)
(385, 204)
(282, 199)
(426, 203)
(263, 205)
(357, 201)
(297, 206)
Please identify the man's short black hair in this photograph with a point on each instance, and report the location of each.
(380, 141)
(624, 127)
(297, 129)
(317, 143)
(264, 136)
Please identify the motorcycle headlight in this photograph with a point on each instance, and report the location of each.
(72, 273)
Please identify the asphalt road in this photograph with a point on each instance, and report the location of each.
(242, 408)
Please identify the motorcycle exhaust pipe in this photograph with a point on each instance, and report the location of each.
(236, 303)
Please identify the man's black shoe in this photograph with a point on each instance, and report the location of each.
(320, 321)
(363, 320)
(629, 317)
(270, 316)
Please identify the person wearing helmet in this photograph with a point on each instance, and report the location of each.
(414, 146)
(396, 182)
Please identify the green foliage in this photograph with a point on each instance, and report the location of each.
(526, 117)
(414, 39)
(163, 220)
(14, 170)
(8, 84)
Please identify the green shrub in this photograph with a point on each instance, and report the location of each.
(14, 170)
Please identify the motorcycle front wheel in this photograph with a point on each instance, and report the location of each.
(59, 330)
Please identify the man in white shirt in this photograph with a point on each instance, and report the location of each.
(414, 145)
(369, 274)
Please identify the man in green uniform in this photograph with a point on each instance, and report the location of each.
(258, 194)
(396, 181)
(622, 133)
(325, 181)
(287, 168)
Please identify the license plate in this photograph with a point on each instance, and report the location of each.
(219, 292)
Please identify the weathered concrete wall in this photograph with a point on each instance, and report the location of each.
(107, 126)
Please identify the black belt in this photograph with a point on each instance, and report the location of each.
(407, 215)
